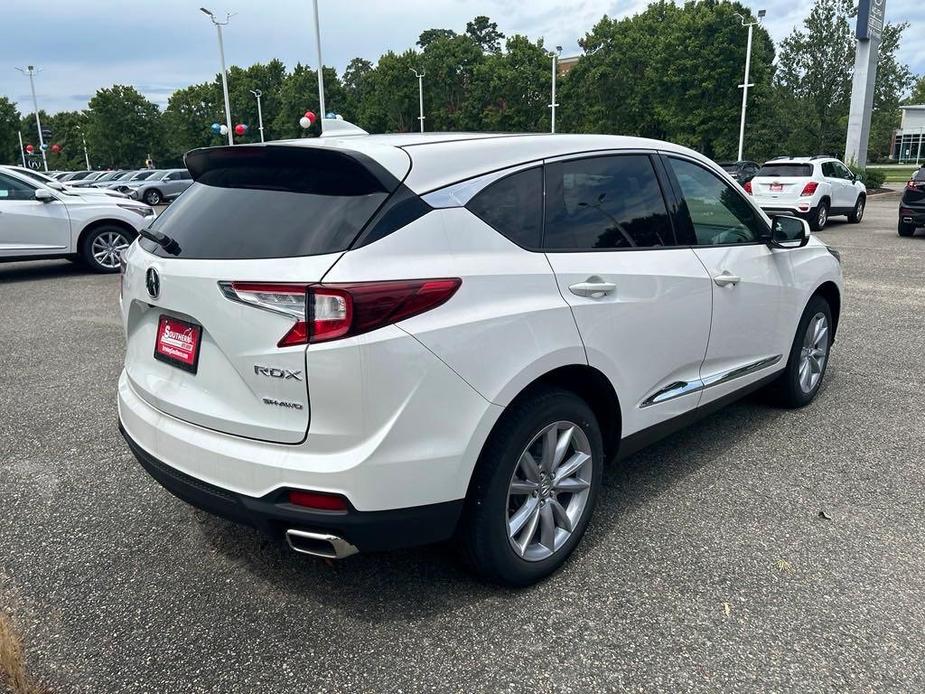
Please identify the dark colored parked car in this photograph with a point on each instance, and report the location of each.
(912, 204)
(741, 171)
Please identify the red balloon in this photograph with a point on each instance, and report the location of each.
(56, 148)
(30, 149)
(240, 129)
(310, 115)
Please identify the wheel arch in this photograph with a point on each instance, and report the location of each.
(829, 291)
(593, 387)
(105, 222)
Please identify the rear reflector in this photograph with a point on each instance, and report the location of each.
(317, 500)
(809, 189)
(325, 312)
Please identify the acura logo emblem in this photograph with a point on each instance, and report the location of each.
(152, 282)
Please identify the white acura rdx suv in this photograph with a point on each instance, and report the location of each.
(373, 342)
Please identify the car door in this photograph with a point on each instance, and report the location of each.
(169, 185)
(29, 226)
(849, 191)
(836, 183)
(752, 285)
(642, 304)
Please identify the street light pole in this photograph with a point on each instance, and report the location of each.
(221, 53)
(22, 152)
(420, 76)
(29, 71)
(258, 94)
(745, 85)
(320, 66)
(552, 102)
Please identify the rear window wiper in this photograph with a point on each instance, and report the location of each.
(161, 239)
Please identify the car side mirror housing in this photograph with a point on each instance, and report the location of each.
(44, 195)
(787, 232)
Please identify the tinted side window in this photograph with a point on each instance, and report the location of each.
(719, 214)
(828, 170)
(513, 206)
(605, 203)
(14, 189)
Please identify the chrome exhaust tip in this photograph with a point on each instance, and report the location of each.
(319, 544)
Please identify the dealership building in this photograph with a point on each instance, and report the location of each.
(909, 140)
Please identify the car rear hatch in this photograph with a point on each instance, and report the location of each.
(212, 308)
(781, 183)
(914, 195)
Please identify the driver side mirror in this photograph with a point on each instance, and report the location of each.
(44, 195)
(787, 232)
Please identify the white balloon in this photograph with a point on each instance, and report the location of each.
(305, 122)
(224, 129)
(339, 117)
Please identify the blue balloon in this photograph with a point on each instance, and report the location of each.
(331, 114)
(216, 128)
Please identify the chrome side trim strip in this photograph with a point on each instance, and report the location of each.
(679, 388)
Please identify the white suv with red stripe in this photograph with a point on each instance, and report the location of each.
(379, 341)
(814, 188)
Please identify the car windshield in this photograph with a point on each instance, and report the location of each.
(729, 167)
(125, 176)
(108, 176)
(786, 170)
(142, 175)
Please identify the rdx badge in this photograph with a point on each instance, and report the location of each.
(272, 372)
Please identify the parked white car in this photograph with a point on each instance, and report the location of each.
(52, 183)
(372, 342)
(814, 188)
(39, 222)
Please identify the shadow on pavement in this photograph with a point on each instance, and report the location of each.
(40, 270)
(418, 583)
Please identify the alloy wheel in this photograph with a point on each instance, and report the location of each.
(823, 216)
(549, 490)
(859, 212)
(107, 249)
(814, 352)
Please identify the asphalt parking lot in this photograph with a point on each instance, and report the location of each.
(707, 566)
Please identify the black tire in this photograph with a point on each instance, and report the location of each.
(906, 229)
(153, 197)
(857, 214)
(786, 390)
(819, 216)
(483, 534)
(103, 232)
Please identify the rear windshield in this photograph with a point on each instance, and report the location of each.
(271, 205)
(729, 168)
(920, 174)
(786, 170)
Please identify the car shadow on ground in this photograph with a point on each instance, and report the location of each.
(421, 582)
(40, 270)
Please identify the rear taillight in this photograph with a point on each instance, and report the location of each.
(809, 189)
(748, 187)
(325, 312)
(912, 184)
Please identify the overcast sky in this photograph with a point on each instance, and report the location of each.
(160, 45)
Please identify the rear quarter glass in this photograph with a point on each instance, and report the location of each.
(272, 202)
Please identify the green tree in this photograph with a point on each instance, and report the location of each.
(511, 89)
(428, 36)
(123, 128)
(356, 86)
(893, 79)
(187, 120)
(485, 33)
(9, 126)
(918, 91)
(450, 64)
(391, 102)
(669, 72)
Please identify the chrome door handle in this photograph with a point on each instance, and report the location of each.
(593, 288)
(725, 278)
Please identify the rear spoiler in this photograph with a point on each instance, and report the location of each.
(293, 168)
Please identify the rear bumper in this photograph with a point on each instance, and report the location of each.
(912, 215)
(800, 209)
(368, 531)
